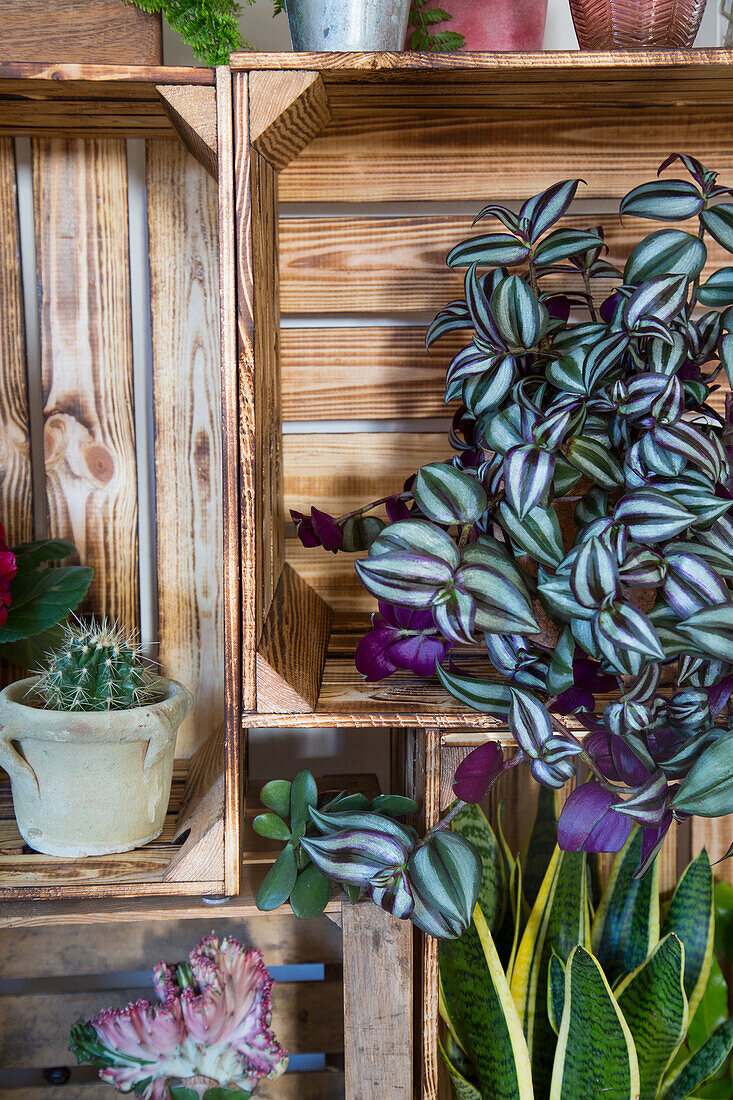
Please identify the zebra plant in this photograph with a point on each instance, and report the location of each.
(581, 530)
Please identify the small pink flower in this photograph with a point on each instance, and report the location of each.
(8, 569)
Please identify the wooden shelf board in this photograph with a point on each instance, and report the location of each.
(452, 80)
(37, 99)
(142, 870)
(345, 699)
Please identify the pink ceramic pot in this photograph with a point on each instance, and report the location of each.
(497, 24)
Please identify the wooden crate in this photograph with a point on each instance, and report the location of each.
(95, 32)
(331, 290)
(77, 358)
(53, 976)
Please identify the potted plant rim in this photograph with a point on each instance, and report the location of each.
(89, 745)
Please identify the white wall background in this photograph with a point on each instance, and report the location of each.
(280, 752)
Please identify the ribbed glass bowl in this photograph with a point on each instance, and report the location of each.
(632, 24)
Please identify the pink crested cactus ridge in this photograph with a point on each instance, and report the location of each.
(213, 1023)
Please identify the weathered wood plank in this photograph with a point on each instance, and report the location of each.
(292, 650)
(16, 487)
(80, 198)
(332, 577)
(182, 208)
(378, 1003)
(287, 111)
(201, 816)
(54, 952)
(379, 373)
(34, 1028)
(238, 387)
(339, 473)
(366, 156)
(99, 31)
(239, 635)
(267, 431)
(328, 1085)
(368, 264)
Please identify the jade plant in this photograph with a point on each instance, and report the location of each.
(97, 666)
(208, 1038)
(556, 992)
(581, 530)
(346, 839)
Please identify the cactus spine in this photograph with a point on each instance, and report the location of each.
(96, 667)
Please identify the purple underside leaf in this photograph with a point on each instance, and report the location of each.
(588, 822)
(400, 638)
(719, 694)
(652, 839)
(478, 771)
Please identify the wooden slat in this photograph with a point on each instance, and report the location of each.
(715, 834)
(34, 1028)
(339, 473)
(239, 680)
(375, 373)
(46, 99)
(378, 1003)
(80, 197)
(54, 952)
(57, 908)
(267, 441)
(182, 208)
(367, 156)
(287, 111)
(327, 1085)
(200, 821)
(238, 387)
(101, 31)
(369, 264)
(16, 489)
(292, 650)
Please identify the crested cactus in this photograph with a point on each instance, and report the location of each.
(97, 666)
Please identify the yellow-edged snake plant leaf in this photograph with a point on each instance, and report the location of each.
(478, 1004)
(595, 1054)
(626, 924)
(700, 1065)
(559, 920)
(493, 894)
(654, 1005)
(555, 992)
(461, 1088)
(691, 916)
(540, 843)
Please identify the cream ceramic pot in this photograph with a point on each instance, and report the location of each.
(88, 783)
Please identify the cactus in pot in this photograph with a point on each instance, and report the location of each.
(89, 744)
(96, 667)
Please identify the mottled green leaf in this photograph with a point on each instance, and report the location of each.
(654, 1005)
(595, 1052)
(471, 823)
(479, 1005)
(690, 916)
(626, 924)
(700, 1065)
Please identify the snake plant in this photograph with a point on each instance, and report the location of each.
(562, 998)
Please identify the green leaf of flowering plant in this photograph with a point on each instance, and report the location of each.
(718, 290)
(564, 243)
(447, 495)
(43, 597)
(707, 791)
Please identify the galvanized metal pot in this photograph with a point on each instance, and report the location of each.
(322, 25)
